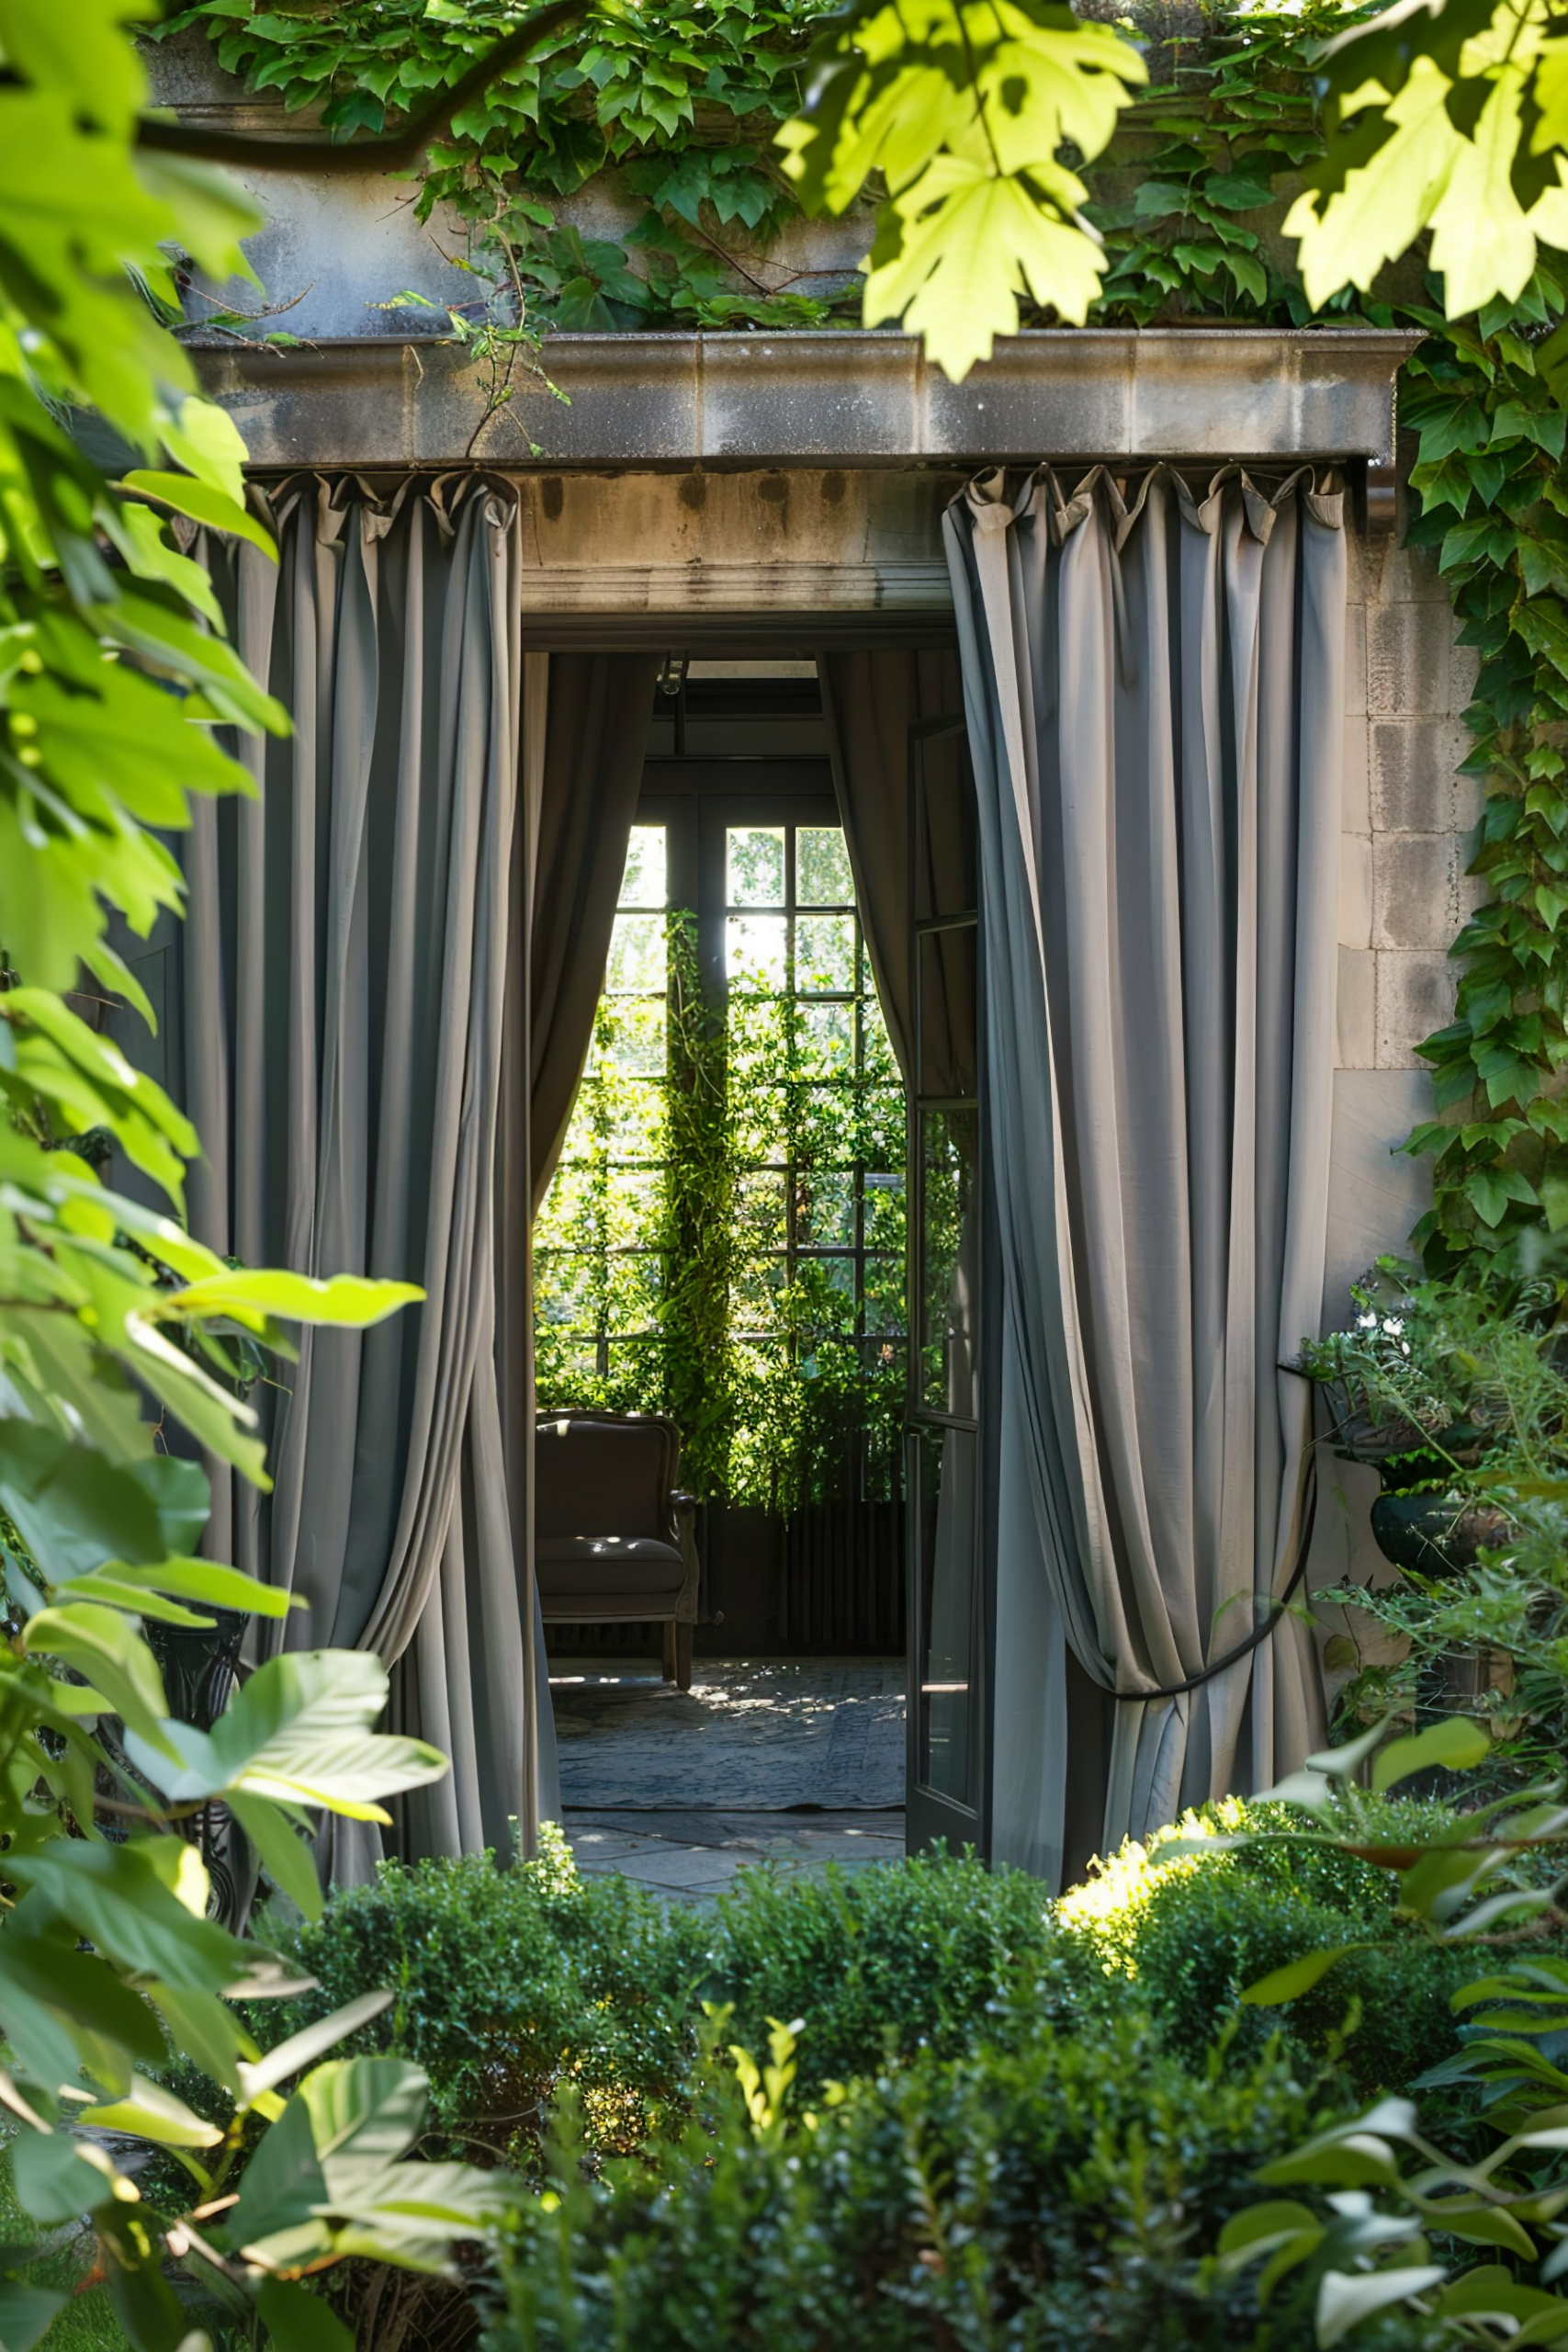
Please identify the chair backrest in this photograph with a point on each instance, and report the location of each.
(604, 1474)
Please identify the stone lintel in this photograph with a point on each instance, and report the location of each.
(821, 399)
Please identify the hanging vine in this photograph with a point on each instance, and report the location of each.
(682, 97)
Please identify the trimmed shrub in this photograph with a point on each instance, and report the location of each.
(1189, 1934)
(1067, 2193)
(513, 1985)
(932, 1955)
(509, 1984)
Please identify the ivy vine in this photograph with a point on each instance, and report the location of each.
(681, 97)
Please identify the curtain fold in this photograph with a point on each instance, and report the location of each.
(1153, 688)
(872, 697)
(589, 755)
(350, 976)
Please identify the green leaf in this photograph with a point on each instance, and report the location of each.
(26, 2314)
(1456, 1745)
(255, 1295)
(284, 1850)
(297, 2321)
(209, 1581)
(283, 2190)
(122, 1899)
(298, 1731)
(1345, 2299)
(72, 1509)
(152, 2113)
(1298, 1976)
(371, 2108)
(57, 2178)
(302, 2049)
(108, 1650)
(213, 508)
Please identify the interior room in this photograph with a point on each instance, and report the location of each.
(723, 1255)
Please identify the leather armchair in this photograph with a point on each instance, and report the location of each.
(614, 1540)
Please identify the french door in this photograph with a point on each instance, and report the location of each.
(948, 1482)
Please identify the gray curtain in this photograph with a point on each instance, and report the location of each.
(871, 698)
(590, 767)
(349, 975)
(1153, 684)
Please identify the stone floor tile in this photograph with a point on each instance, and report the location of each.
(691, 1866)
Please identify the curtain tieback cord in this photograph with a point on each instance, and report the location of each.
(1259, 1633)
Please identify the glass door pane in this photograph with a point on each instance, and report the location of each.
(947, 1581)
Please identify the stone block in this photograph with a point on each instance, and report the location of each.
(1410, 771)
(1357, 816)
(1408, 649)
(1355, 890)
(1356, 1009)
(1414, 995)
(1464, 668)
(1409, 576)
(1375, 1191)
(1414, 890)
(1356, 661)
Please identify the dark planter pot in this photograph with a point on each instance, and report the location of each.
(1438, 1535)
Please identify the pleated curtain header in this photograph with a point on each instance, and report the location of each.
(996, 501)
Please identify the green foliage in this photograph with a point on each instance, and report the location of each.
(961, 112)
(655, 1225)
(1187, 1931)
(1068, 2191)
(1494, 501)
(1185, 201)
(114, 674)
(515, 1989)
(1456, 1388)
(1462, 1380)
(682, 98)
(1485, 1878)
(510, 1985)
(1452, 120)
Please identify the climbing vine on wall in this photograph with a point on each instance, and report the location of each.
(682, 97)
(1494, 501)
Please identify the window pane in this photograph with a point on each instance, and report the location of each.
(825, 1039)
(762, 1124)
(755, 866)
(639, 957)
(760, 1210)
(754, 1298)
(632, 1205)
(568, 1290)
(635, 1285)
(825, 1132)
(825, 955)
(635, 1123)
(822, 876)
(946, 1647)
(947, 998)
(827, 1285)
(825, 1210)
(755, 950)
(631, 1040)
(949, 1267)
(883, 1294)
(643, 882)
(885, 1212)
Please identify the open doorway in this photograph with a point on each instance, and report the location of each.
(725, 1244)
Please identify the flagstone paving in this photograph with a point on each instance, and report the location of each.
(692, 1856)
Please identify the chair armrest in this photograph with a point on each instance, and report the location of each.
(684, 1508)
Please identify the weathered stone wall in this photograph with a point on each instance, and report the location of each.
(1403, 895)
